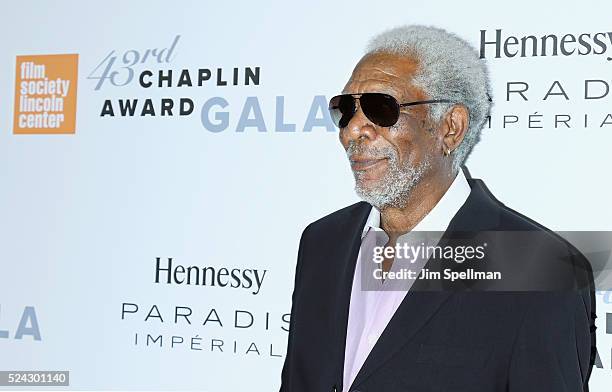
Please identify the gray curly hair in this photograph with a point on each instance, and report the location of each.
(449, 68)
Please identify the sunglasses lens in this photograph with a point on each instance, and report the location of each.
(381, 109)
(342, 108)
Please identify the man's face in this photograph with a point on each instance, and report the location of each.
(388, 162)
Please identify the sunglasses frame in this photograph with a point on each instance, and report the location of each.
(392, 99)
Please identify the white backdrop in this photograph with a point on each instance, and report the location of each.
(84, 216)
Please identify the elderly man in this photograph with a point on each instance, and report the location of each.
(409, 116)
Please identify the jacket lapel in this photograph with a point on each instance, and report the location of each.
(348, 248)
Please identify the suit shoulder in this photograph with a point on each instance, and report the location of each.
(549, 248)
(539, 238)
(512, 220)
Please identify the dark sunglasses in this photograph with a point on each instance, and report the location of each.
(382, 109)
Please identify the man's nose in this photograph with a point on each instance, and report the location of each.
(359, 126)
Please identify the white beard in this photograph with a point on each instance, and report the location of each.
(393, 190)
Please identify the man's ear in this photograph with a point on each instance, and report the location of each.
(456, 122)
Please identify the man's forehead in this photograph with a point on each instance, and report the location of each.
(382, 71)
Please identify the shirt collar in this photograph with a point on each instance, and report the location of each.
(441, 214)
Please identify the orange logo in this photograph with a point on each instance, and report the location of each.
(45, 94)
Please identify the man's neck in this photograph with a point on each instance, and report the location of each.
(423, 198)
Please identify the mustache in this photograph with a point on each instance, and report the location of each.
(374, 152)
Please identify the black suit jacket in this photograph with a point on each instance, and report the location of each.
(446, 340)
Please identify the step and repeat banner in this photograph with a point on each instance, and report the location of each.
(160, 160)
